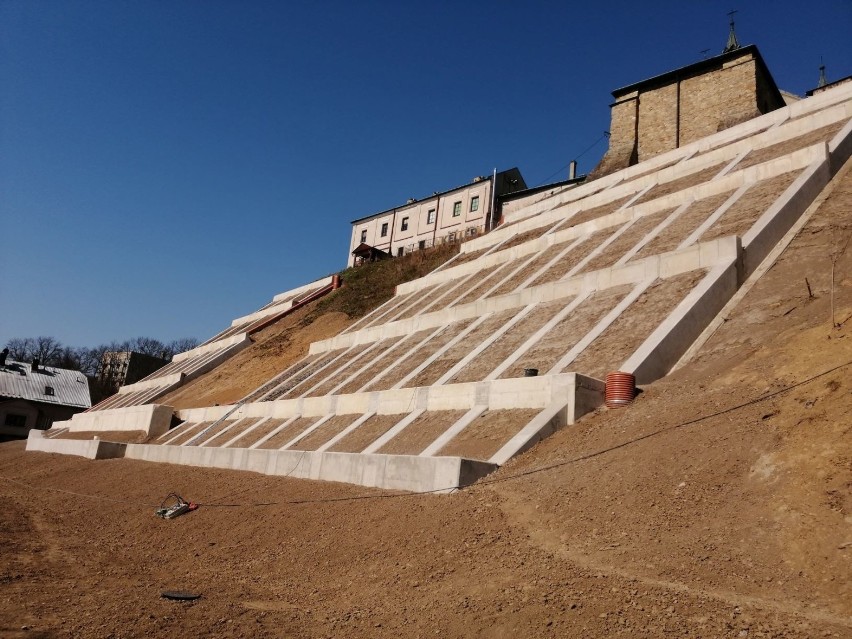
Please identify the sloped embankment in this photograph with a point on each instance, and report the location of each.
(697, 486)
(286, 341)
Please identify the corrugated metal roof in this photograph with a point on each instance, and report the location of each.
(70, 388)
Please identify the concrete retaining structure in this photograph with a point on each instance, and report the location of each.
(153, 419)
(392, 472)
(671, 339)
(703, 255)
(88, 448)
(498, 394)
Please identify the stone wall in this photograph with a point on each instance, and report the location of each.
(679, 107)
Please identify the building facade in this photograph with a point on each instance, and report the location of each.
(669, 110)
(119, 368)
(451, 216)
(35, 396)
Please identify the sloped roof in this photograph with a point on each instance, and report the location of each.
(70, 388)
(366, 250)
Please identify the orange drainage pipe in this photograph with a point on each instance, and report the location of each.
(620, 389)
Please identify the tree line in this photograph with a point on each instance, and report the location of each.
(51, 352)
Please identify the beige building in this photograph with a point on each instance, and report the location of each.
(451, 216)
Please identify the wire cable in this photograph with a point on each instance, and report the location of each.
(558, 171)
(484, 482)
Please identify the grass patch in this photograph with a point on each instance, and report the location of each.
(370, 285)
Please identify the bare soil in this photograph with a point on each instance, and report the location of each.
(252, 437)
(718, 505)
(235, 428)
(749, 207)
(276, 347)
(304, 375)
(691, 218)
(488, 433)
(215, 431)
(480, 367)
(188, 431)
(285, 435)
(424, 430)
(480, 284)
(528, 236)
(576, 255)
(562, 337)
(531, 264)
(323, 382)
(634, 325)
(324, 433)
(366, 433)
(681, 183)
(794, 144)
(415, 301)
(383, 360)
(584, 215)
(626, 241)
(419, 356)
(454, 355)
(383, 313)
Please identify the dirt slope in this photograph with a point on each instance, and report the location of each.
(286, 341)
(633, 523)
(276, 347)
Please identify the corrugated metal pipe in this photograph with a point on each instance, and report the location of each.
(620, 389)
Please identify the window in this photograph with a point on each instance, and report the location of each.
(385, 229)
(421, 244)
(430, 217)
(404, 226)
(16, 421)
(399, 252)
(474, 203)
(363, 236)
(48, 390)
(457, 209)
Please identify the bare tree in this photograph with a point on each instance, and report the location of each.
(47, 350)
(68, 358)
(146, 346)
(20, 348)
(181, 345)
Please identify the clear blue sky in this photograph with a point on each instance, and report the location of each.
(166, 166)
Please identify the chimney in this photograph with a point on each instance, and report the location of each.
(572, 169)
(35, 365)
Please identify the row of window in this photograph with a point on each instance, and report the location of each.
(430, 217)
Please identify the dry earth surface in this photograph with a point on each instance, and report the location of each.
(718, 505)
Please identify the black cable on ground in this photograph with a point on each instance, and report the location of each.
(484, 482)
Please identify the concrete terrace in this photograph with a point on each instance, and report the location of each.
(208, 355)
(428, 391)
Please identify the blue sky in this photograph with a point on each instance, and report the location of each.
(166, 166)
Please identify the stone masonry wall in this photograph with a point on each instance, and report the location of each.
(692, 105)
(657, 121)
(718, 100)
(622, 150)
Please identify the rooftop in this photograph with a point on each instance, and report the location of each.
(697, 68)
(48, 384)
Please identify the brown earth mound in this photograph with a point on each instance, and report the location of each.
(718, 505)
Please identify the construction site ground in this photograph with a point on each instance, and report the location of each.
(718, 505)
